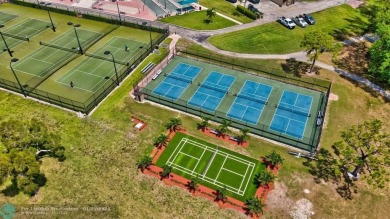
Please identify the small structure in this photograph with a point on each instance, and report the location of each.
(139, 124)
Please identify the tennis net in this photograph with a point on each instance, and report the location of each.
(74, 50)
(180, 78)
(16, 37)
(106, 58)
(214, 88)
(252, 98)
(293, 110)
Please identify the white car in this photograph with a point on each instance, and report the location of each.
(300, 21)
(287, 22)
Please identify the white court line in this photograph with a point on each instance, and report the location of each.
(201, 156)
(221, 168)
(75, 87)
(234, 172)
(50, 63)
(189, 155)
(181, 141)
(184, 143)
(246, 171)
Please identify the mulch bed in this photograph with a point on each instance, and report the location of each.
(176, 180)
(138, 121)
(225, 138)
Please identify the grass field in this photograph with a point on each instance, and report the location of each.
(274, 38)
(226, 8)
(197, 21)
(102, 151)
(215, 166)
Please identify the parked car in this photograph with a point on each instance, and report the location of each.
(287, 22)
(232, 1)
(253, 9)
(309, 19)
(300, 21)
(255, 1)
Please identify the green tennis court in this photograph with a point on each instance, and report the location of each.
(217, 167)
(95, 70)
(4, 17)
(23, 31)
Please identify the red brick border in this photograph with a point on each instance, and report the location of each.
(136, 121)
(176, 180)
(207, 132)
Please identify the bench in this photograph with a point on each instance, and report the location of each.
(319, 121)
(214, 131)
(157, 74)
(236, 139)
(148, 67)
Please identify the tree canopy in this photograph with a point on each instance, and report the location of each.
(26, 142)
(363, 153)
(317, 42)
(379, 65)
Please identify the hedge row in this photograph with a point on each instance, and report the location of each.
(32, 5)
(247, 12)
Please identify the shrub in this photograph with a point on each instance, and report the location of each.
(247, 12)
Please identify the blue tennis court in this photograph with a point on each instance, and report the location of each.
(211, 92)
(292, 114)
(250, 102)
(177, 81)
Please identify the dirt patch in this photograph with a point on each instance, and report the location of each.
(354, 58)
(302, 209)
(333, 96)
(277, 199)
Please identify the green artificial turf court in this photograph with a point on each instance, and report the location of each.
(23, 31)
(4, 17)
(217, 167)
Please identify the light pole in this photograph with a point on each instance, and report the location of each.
(10, 66)
(77, 36)
(119, 13)
(51, 21)
(5, 42)
(113, 60)
(150, 35)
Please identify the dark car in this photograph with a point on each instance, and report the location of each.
(309, 19)
(253, 9)
(232, 1)
(254, 1)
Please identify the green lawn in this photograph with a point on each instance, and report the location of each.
(196, 20)
(273, 38)
(226, 8)
(216, 167)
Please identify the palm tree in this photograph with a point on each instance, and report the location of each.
(210, 13)
(222, 194)
(194, 184)
(224, 128)
(244, 135)
(166, 170)
(274, 159)
(174, 124)
(161, 140)
(144, 162)
(264, 178)
(204, 124)
(255, 206)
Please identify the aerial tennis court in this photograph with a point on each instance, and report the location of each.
(292, 114)
(97, 68)
(177, 81)
(211, 92)
(40, 62)
(4, 17)
(23, 31)
(250, 102)
(216, 167)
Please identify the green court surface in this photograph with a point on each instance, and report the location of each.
(95, 70)
(4, 17)
(21, 32)
(217, 167)
(243, 113)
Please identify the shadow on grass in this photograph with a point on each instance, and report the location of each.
(356, 26)
(297, 68)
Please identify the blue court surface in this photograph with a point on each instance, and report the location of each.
(211, 92)
(292, 114)
(250, 102)
(177, 81)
